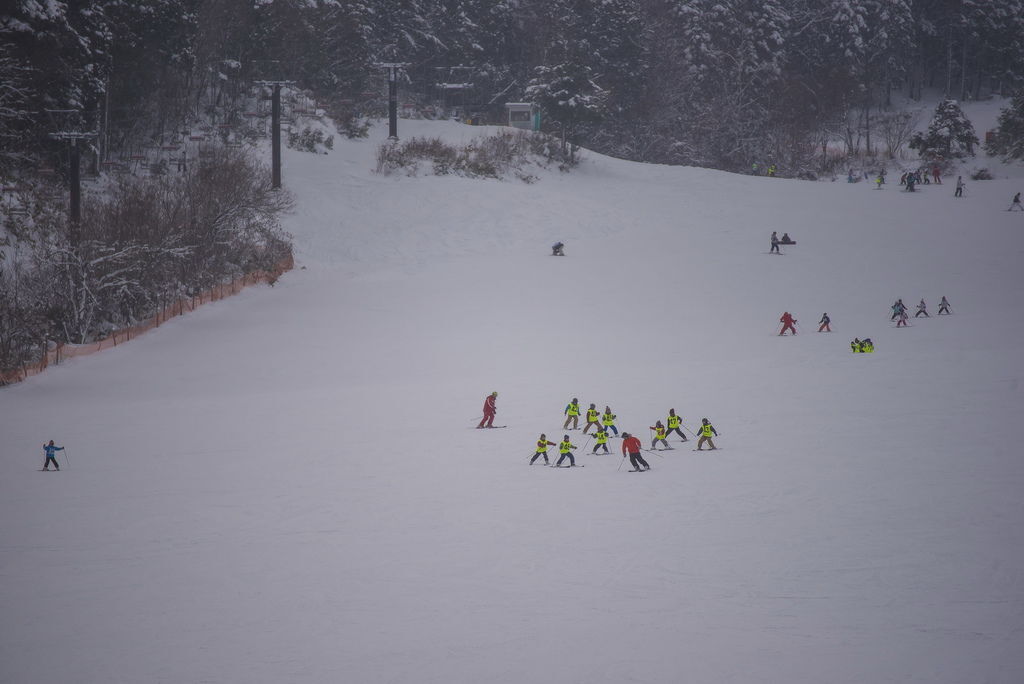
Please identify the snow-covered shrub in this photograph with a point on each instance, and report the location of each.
(492, 156)
(981, 174)
(310, 140)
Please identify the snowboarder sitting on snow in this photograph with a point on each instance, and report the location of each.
(786, 240)
(542, 449)
(787, 323)
(50, 450)
(705, 431)
(601, 440)
(867, 346)
(556, 249)
(1015, 204)
(659, 435)
(565, 449)
(855, 346)
(943, 306)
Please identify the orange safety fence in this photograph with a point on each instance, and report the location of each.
(63, 351)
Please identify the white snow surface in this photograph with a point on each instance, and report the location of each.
(287, 486)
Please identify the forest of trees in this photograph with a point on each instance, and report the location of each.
(716, 83)
(804, 85)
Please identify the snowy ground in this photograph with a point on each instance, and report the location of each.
(286, 486)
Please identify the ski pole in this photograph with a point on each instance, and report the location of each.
(67, 459)
(621, 462)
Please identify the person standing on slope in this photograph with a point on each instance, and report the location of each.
(565, 449)
(775, 243)
(631, 447)
(572, 413)
(943, 306)
(601, 440)
(1015, 204)
(705, 431)
(825, 320)
(542, 449)
(787, 323)
(608, 420)
(659, 435)
(592, 418)
(959, 192)
(902, 319)
(490, 410)
(50, 451)
(922, 308)
(674, 423)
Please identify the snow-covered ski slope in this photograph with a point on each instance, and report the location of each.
(286, 486)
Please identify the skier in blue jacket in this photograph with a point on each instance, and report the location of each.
(50, 450)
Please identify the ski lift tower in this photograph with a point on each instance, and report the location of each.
(274, 83)
(69, 126)
(392, 68)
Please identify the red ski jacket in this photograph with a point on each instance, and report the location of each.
(630, 445)
(489, 406)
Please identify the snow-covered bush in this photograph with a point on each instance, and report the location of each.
(310, 140)
(492, 156)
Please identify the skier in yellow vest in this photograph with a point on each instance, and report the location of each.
(674, 423)
(705, 431)
(592, 419)
(659, 435)
(572, 412)
(608, 420)
(565, 449)
(602, 440)
(542, 449)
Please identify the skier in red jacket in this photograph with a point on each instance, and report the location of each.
(489, 410)
(787, 323)
(631, 447)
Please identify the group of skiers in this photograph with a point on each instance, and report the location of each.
(604, 424)
(865, 346)
(900, 314)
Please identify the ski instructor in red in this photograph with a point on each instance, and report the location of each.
(787, 323)
(490, 409)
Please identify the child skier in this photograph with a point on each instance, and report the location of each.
(601, 437)
(825, 320)
(542, 449)
(855, 346)
(674, 423)
(565, 449)
(592, 415)
(706, 430)
(943, 306)
(922, 308)
(608, 420)
(659, 435)
(572, 413)
(50, 450)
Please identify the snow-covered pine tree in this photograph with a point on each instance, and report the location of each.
(1009, 135)
(950, 134)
